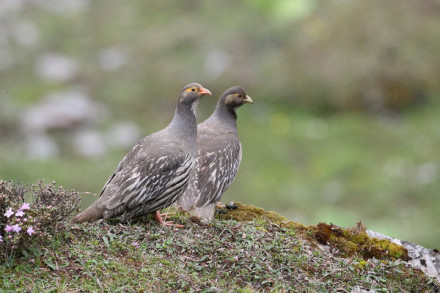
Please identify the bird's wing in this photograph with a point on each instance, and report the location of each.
(151, 180)
(216, 170)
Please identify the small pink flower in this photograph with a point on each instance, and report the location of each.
(16, 228)
(20, 213)
(30, 231)
(25, 206)
(25, 219)
(1, 238)
(9, 213)
(8, 228)
(135, 244)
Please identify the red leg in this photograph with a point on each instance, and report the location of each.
(162, 221)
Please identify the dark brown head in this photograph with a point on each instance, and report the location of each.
(234, 97)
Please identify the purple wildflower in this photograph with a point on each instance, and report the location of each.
(30, 230)
(1, 238)
(135, 244)
(8, 228)
(25, 206)
(20, 213)
(9, 213)
(16, 228)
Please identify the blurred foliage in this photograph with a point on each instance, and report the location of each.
(344, 127)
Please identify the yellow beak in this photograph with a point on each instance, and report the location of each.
(248, 100)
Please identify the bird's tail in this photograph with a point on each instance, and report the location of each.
(91, 214)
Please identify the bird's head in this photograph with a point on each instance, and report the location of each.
(192, 93)
(235, 97)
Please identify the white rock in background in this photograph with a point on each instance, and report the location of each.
(62, 6)
(426, 173)
(112, 58)
(123, 134)
(89, 143)
(56, 67)
(62, 110)
(26, 34)
(216, 63)
(41, 147)
(427, 260)
(10, 6)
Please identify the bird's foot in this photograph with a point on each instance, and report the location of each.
(162, 220)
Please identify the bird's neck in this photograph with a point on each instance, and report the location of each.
(184, 121)
(226, 114)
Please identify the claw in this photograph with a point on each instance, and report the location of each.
(162, 220)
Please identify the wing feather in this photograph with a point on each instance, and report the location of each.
(146, 184)
(217, 170)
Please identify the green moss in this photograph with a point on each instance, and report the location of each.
(355, 241)
(247, 213)
(347, 241)
(361, 264)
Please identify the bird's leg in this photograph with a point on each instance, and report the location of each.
(162, 221)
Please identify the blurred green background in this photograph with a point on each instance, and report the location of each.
(345, 125)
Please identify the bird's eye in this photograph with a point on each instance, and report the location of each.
(240, 96)
(193, 89)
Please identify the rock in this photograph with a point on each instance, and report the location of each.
(56, 67)
(90, 143)
(41, 147)
(232, 206)
(62, 110)
(123, 134)
(427, 260)
(112, 58)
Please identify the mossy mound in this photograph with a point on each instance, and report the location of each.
(246, 213)
(345, 242)
(355, 241)
(251, 251)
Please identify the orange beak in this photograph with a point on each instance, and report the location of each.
(204, 91)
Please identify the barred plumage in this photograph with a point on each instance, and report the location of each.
(157, 169)
(219, 155)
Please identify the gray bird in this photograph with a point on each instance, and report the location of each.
(157, 169)
(218, 155)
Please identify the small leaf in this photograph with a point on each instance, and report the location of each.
(105, 239)
(50, 265)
